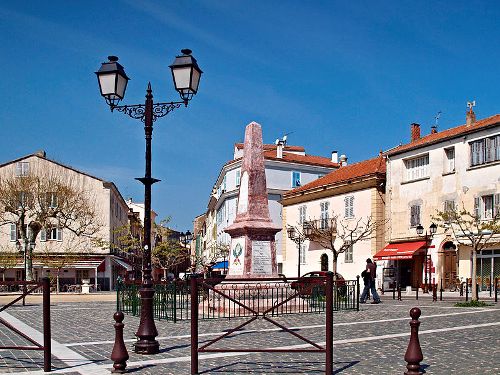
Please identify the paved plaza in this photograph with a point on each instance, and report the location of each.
(371, 341)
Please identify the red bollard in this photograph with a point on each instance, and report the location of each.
(413, 355)
(120, 354)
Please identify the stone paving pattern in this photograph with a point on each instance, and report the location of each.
(87, 328)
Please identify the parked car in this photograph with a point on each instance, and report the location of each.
(313, 283)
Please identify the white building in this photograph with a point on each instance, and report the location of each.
(352, 193)
(101, 263)
(453, 167)
(286, 167)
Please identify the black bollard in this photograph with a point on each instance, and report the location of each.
(399, 293)
(413, 355)
(466, 290)
(441, 291)
(394, 292)
(496, 289)
(477, 292)
(416, 294)
(120, 354)
(461, 289)
(434, 293)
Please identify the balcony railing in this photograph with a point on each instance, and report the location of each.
(329, 224)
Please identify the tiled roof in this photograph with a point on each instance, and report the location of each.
(447, 134)
(344, 174)
(267, 147)
(301, 159)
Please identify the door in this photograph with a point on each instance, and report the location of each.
(450, 266)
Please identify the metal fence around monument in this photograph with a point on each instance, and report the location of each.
(172, 300)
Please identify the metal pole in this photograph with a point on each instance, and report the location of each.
(329, 324)
(496, 289)
(298, 262)
(357, 292)
(441, 290)
(46, 326)
(147, 332)
(194, 325)
(426, 290)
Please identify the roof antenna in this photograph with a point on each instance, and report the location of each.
(471, 105)
(436, 121)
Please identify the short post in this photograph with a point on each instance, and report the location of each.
(194, 325)
(461, 289)
(441, 291)
(496, 289)
(466, 290)
(47, 349)
(399, 292)
(434, 293)
(329, 324)
(477, 292)
(416, 294)
(394, 291)
(357, 292)
(413, 355)
(119, 355)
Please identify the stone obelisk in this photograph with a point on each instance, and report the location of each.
(253, 248)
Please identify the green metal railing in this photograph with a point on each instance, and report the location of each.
(172, 300)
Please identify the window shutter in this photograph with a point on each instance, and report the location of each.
(477, 207)
(43, 235)
(13, 232)
(496, 204)
(59, 234)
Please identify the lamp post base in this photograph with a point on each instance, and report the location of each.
(147, 347)
(146, 343)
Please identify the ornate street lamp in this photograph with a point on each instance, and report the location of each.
(112, 84)
(185, 238)
(428, 236)
(298, 238)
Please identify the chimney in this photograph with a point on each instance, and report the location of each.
(41, 153)
(279, 150)
(434, 129)
(343, 160)
(335, 157)
(415, 132)
(470, 117)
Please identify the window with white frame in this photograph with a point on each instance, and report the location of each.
(302, 254)
(324, 206)
(302, 214)
(219, 216)
(414, 215)
(349, 254)
(485, 150)
(449, 162)
(417, 168)
(22, 168)
(51, 234)
(238, 177)
(486, 207)
(52, 200)
(224, 184)
(295, 179)
(14, 232)
(349, 206)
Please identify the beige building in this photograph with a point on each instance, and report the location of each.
(352, 192)
(449, 168)
(100, 263)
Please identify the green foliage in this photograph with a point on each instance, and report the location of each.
(473, 303)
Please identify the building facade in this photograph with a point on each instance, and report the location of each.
(101, 261)
(457, 167)
(353, 194)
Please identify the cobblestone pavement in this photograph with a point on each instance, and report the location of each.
(371, 341)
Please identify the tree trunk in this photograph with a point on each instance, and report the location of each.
(57, 282)
(474, 275)
(29, 261)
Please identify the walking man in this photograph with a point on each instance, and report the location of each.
(371, 274)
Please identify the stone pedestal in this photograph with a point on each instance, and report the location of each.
(85, 286)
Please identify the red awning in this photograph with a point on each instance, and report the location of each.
(402, 250)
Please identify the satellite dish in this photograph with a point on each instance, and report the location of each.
(284, 138)
(277, 141)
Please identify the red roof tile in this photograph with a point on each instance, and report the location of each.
(301, 159)
(344, 174)
(267, 147)
(447, 134)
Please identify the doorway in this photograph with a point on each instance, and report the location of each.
(324, 262)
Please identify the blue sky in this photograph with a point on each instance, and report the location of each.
(337, 75)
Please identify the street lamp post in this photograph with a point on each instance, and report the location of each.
(113, 83)
(428, 236)
(299, 238)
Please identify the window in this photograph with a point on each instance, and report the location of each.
(487, 206)
(349, 254)
(414, 215)
(51, 234)
(302, 254)
(302, 214)
(295, 179)
(448, 207)
(485, 150)
(324, 214)
(238, 177)
(219, 216)
(52, 200)
(24, 199)
(224, 184)
(22, 168)
(417, 168)
(13, 232)
(449, 165)
(349, 206)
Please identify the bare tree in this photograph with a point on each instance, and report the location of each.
(203, 262)
(9, 257)
(338, 235)
(168, 252)
(471, 230)
(45, 202)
